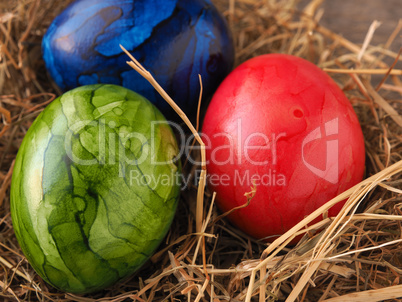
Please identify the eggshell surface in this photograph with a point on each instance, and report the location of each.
(175, 40)
(282, 124)
(94, 187)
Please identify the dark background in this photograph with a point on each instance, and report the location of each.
(352, 19)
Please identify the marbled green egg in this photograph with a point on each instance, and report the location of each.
(95, 187)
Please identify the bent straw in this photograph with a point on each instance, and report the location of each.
(201, 185)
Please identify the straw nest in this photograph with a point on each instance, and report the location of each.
(355, 256)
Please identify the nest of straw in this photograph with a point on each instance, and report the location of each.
(354, 256)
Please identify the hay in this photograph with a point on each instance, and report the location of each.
(354, 256)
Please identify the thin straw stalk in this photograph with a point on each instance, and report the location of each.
(201, 185)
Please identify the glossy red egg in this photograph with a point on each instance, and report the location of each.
(282, 123)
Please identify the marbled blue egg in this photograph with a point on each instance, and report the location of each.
(174, 39)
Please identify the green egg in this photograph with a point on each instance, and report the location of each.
(95, 187)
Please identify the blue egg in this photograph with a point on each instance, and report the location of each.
(175, 40)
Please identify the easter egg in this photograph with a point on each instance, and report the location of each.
(281, 124)
(175, 40)
(94, 187)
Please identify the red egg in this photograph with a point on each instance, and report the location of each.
(282, 123)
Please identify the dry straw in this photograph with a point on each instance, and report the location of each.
(355, 256)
